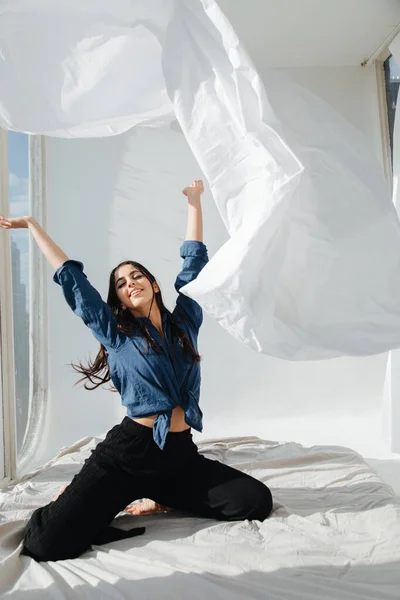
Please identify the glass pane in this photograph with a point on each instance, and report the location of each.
(18, 164)
(392, 77)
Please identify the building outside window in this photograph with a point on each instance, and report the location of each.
(18, 165)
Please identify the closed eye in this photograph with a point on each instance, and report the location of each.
(135, 278)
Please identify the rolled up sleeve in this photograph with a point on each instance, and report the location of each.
(195, 257)
(86, 302)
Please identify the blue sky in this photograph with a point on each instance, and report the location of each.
(18, 168)
(18, 153)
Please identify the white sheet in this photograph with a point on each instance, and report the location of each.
(312, 268)
(334, 534)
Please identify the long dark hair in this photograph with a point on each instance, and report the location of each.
(97, 371)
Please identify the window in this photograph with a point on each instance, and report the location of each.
(392, 81)
(18, 167)
(23, 348)
(7, 404)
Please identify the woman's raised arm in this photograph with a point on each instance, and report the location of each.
(81, 296)
(194, 230)
(53, 253)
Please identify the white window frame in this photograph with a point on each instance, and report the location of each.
(390, 392)
(7, 394)
(11, 465)
(383, 115)
(38, 346)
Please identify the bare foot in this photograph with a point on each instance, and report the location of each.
(60, 492)
(146, 507)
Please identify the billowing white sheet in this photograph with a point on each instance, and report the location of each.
(334, 534)
(312, 268)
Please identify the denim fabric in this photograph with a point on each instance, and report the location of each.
(149, 383)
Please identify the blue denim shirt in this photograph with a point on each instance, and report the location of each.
(149, 383)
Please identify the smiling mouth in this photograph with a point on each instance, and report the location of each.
(135, 293)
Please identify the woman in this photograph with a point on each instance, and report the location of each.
(151, 357)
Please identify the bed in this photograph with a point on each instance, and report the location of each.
(334, 534)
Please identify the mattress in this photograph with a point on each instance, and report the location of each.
(334, 534)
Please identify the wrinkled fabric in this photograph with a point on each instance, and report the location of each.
(334, 533)
(311, 269)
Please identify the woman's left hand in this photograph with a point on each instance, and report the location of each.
(194, 190)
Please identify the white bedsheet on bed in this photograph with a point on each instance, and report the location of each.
(334, 534)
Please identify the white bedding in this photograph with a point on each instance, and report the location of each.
(334, 534)
(311, 269)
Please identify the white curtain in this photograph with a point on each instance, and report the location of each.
(312, 267)
(391, 408)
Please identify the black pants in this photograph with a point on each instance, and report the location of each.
(126, 466)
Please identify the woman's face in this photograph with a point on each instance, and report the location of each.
(134, 290)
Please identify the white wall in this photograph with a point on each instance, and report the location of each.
(117, 198)
(352, 91)
(311, 33)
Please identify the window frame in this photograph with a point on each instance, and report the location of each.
(13, 465)
(38, 344)
(383, 116)
(8, 398)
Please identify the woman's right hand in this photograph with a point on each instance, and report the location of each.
(14, 223)
(55, 256)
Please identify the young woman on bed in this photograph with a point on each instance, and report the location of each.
(150, 355)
